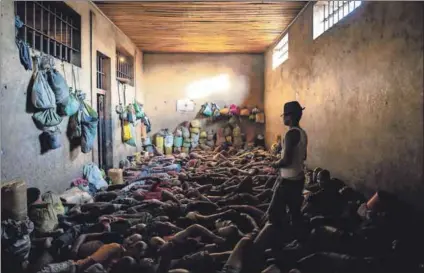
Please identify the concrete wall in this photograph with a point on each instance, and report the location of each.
(20, 146)
(171, 77)
(362, 85)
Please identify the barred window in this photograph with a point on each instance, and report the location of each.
(125, 66)
(281, 52)
(328, 13)
(51, 27)
(102, 71)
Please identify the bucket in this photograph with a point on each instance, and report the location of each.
(14, 200)
(117, 176)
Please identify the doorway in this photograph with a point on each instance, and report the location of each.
(104, 129)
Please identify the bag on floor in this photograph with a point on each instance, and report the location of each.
(224, 111)
(186, 132)
(44, 217)
(234, 110)
(206, 109)
(89, 120)
(126, 131)
(203, 134)
(47, 118)
(159, 141)
(194, 130)
(195, 123)
(178, 132)
(15, 239)
(53, 138)
(178, 141)
(232, 121)
(94, 176)
(52, 198)
(42, 96)
(58, 85)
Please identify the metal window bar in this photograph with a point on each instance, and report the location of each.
(124, 69)
(43, 14)
(330, 11)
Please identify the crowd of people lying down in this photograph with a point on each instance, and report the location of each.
(214, 215)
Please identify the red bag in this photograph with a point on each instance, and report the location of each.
(234, 110)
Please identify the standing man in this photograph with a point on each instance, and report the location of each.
(291, 179)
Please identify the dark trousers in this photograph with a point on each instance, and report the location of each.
(287, 194)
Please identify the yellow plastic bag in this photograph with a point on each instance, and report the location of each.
(126, 131)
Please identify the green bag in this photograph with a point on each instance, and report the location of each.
(44, 217)
(47, 118)
(52, 198)
(139, 111)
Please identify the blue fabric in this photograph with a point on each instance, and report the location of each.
(94, 176)
(59, 86)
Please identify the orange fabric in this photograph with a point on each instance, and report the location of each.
(107, 253)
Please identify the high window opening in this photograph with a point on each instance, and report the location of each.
(281, 52)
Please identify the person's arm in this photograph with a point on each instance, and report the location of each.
(82, 239)
(291, 139)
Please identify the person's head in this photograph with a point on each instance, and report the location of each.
(292, 113)
(323, 178)
(156, 242)
(125, 264)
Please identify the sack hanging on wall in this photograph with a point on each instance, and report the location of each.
(206, 109)
(195, 130)
(232, 121)
(126, 131)
(186, 132)
(224, 111)
(131, 116)
(89, 120)
(132, 141)
(58, 85)
(74, 125)
(53, 138)
(47, 118)
(234, 110)
(244, 112)
(42, 96)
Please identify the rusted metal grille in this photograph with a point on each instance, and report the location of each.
(124, 66)
(51, 27)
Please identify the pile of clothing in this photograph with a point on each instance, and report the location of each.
(206, 211)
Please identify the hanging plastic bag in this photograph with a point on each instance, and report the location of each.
(206, 109)
(147, 123)
(47, 118)
(139, 111)
(126, 131)
(210, 135)
(234, 110)
(203, 134)
(89, 120)
(131, 113)
(53, 138)
(244, 112)
(224, 111)
(42, 96)
(72, 106)
(131, 141)
(236, 131)
(178, 132)
(58, 85)
(228, 131)
(143, 131)
(74, 125)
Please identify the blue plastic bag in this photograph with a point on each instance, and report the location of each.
(59, 86)
(89, 120)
